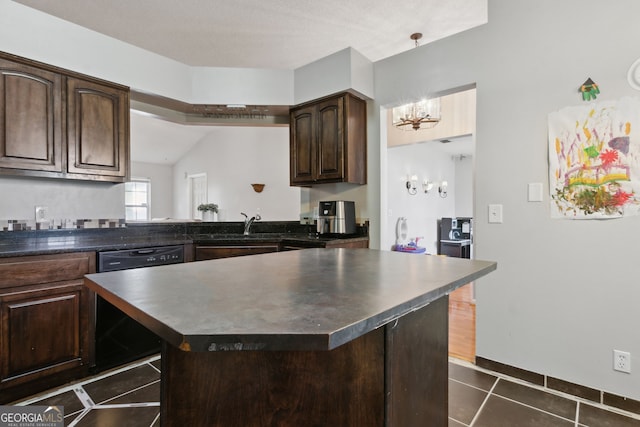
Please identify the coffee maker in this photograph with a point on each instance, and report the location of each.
(455, 228)
(336, 217)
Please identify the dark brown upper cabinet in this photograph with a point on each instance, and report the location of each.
(328, 141)
(31, 118)
(97, 129)
(60, 124)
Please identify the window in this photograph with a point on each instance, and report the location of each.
(137, 194)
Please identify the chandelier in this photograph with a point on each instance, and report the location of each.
(424, 114)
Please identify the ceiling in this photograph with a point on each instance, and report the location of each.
(162, 142)
(276, 34)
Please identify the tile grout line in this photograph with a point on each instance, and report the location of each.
(526, 405)
(543, 388)
(506, 398)
(154, 420)
(125, 393)
(80, 383)
(128, 405)
(469, 385)
(84, 397)
(79, 417)
(86, 401)
(475, 417)
(154, 366)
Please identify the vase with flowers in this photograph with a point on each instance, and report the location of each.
(209, 211)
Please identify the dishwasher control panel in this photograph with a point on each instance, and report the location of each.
(136, 258)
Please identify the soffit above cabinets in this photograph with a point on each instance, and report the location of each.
(209, 114)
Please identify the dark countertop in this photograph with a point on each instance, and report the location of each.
(22, 243)
(292, 238)
(459, 242)
(79, 243)
(315, 299)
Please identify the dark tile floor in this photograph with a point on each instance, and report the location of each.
(479, 398)
(129, 397)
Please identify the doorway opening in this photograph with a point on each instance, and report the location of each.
(197, 194)
(439, 157)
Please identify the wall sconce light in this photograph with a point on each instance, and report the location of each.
(442, 189)
(427, 186)
(412, 182)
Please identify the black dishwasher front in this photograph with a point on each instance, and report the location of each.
(120, 339)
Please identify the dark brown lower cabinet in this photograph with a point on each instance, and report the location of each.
(226, 251)
(348, 244)
(456, 250)
(45, 322)
(208, 251)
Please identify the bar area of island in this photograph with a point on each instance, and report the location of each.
(315, 337)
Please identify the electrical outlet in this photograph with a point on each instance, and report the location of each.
(622, 361)
(41, 214)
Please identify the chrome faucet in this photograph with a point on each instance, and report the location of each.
(248, 221)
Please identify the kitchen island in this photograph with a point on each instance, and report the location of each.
(316, 337)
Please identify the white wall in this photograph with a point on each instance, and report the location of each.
(161, 177)
(426, 160)
(234, 158)
(341, 71)
(565, 293)
(464, 186)
(64, 199)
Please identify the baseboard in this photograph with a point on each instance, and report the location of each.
(587, 393)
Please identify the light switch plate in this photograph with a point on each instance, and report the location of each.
(495, 214)
(535, 192)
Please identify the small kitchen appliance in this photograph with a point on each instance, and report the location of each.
(336, 217)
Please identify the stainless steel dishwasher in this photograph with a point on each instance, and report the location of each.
(120, 339)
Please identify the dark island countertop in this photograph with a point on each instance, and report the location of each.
(317, 299)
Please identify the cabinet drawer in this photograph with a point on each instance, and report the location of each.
(33, 270)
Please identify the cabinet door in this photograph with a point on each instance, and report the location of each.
(43, 331)
(97, 131)
(330, 140)
(359, 244)
(30, 118)
(302, 146)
